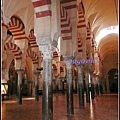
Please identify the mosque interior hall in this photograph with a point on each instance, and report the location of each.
(59, 59)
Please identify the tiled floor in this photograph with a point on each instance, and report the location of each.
(104, 107)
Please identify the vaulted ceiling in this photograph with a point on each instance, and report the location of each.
(100, 14)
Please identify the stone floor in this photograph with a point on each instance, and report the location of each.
(103, 107)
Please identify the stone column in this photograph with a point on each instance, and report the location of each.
(76, 85)
(47, 100)
(97, 86)
(94, 81)
(80, 87)
(69, 89)
(87, 86)
(19, 88)
(63, 89)
(92, 87)
(57, 88)
(36, 85)
(53, 84)
(101, 86)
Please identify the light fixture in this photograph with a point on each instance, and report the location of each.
(4, 88)
(4, 91)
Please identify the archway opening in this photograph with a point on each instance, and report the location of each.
(113, 80)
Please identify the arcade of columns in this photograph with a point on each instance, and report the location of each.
(76, 43)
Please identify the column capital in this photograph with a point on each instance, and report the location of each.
(47, 51)
(87, 71)
(91, 73)
(80, 67)
(86, 68)
(67, 59)
(20, 70)
(43, 40)
(92, 67)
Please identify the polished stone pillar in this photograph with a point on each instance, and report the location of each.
(53, 85)
(69, 90)
(96, 89)
(101, 88)
(80, 87)
(63, 88)
(97, 86)
(87, 86)
(92, 88)
(19, 88)
(99, 92)
(47, 100)
(76, 86)
(36, 85)
(57, 88)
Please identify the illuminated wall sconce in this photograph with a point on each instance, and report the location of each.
(4, 90)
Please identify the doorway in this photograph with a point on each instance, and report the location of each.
(113, 80)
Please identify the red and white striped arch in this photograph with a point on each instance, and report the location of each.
(88, 34)
(42, 8)
(61, 69)
(88, 41)
(87, 54)
(61, 58)
(14, 49)
(65, 19)
(32, 39)
(81, 24)
(33, 56)
(17, 28)
(54, 67)
(92, 43)
(92, 47)
(81, 19)
(80, 42)
(65, 26)
(55, 54)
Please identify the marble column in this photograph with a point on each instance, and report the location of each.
(47, 100)
(87, 86)
(101, 86)
(57, 88)
(36, 85)
(95, 82)
(92, 87)
(63, 89)
(69, 89)
(80, 87)
(96, 86)
(76, 85)
(19, 88)
(54, 86)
